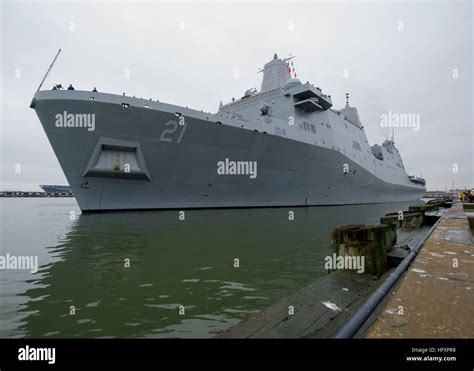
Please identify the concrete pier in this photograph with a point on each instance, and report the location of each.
(435, 297)
(315, 311)
(320, 308)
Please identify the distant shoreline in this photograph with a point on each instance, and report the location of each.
(17, 194)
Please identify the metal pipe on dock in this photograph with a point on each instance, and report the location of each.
(350, 328)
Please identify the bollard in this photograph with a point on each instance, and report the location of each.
(411, 219)
(373, 242)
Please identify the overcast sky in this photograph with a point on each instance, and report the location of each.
(408, 58)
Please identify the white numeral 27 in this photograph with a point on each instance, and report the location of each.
(172, 128)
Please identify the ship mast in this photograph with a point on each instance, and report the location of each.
(49, 70)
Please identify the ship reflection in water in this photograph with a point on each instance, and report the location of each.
(174, 265)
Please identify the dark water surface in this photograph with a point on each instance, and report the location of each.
(173, 263)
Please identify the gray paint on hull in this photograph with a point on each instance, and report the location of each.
(184, 175)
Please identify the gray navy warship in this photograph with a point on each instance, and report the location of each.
(123, 153)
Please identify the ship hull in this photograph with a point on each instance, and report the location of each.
(178, 169)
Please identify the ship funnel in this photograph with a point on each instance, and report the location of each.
(275, 74)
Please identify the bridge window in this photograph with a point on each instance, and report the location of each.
(356, 145)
